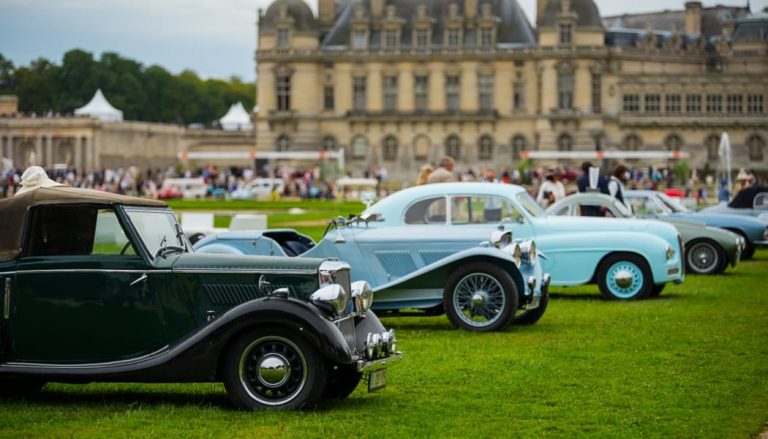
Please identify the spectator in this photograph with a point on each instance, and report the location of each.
(616, 184)
(444, 171)
(551, 190)
(587, 184)
(424, 174)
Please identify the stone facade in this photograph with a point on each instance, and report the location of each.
(398, 83)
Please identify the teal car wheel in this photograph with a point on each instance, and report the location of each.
(480, 297)
(624, 276)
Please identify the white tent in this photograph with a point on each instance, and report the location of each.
(236, 119)
(100, 109)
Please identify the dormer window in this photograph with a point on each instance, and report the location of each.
(283, 38)
(360, 39)
(566, 33)
(486, 37)
(422, 38)
(391, 38)
(454, 37)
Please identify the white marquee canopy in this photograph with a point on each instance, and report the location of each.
(100, 108)
(236, 119)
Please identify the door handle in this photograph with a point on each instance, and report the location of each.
(140, 279)
(7, 299)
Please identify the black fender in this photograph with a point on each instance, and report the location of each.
(196, 358)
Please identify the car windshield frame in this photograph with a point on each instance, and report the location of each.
(173, 236)
(529, 205)
(672, 205)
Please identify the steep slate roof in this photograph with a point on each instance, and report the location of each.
(712, 19)
(304, 19)
(587, 14)
(754, 28)
(514, 27)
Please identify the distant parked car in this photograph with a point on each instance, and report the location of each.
(628, 260)
(102, 287)
(652, 204)
(750, 201)
(708, 250)
(187, 188)
(258, 188)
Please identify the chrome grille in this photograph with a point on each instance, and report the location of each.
(397, 263)
(432, 256)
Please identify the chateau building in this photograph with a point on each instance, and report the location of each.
(398, 83)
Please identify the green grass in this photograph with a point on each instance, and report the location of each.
(693, 363)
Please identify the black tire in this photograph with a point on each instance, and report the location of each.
(343, 382)
(15, 387)
(304, 371)
(703, 256)
(640, 280)
(499, 303)
(531, 316)
(657, 289)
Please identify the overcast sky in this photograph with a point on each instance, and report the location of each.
(215, 38)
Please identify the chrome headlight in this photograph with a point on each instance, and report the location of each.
(515, 251)
(528, 249)
(362, 296)
(500, 238)
(331, 298)
(670, 252)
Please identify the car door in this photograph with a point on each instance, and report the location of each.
(80, 294)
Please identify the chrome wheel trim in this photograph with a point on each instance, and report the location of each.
(275, 350)
(624, 279)
(479, 299)
(703, 257)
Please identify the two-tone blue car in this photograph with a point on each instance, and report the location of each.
(629, 260)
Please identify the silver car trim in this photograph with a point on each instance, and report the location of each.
(245, 271)
(381, 363)
(127, 362)
(87, 270)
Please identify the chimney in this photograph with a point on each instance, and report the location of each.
(541, 6)
(470, 9)
(326, 12)
(377, 8)
(693, 18)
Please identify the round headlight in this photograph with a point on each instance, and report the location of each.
(331, 296)
(362, 296)
(532, 253)
(517, 254)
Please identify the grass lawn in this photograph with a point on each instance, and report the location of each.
(693, 363)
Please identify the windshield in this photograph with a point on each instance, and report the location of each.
(531, 206)
(157, 229)
(672, 204)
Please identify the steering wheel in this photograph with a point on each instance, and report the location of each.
(125, 248)
(162, 250)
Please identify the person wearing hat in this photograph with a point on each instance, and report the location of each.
(551, 190)
(34, 178)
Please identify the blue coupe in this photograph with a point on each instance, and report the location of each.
(393, 239)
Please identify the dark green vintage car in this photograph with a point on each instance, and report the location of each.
(101, 287)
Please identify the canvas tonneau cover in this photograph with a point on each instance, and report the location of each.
(745, 197)
(13, 211)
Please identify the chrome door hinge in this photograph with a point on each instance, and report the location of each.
(7, 299)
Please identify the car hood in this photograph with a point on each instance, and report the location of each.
(216, 262)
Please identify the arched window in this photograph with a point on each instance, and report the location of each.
(390, 148)
(453, 146)
(565, 143)
(283, 143)
(632, 142)
(519, 144)
(674, 142)
(712, 143)
(485, 150)
(756, 147)
(421, 147)
(329, 143)
(359, 147)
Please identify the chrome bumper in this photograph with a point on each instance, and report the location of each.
(537, 295)
(378, 364)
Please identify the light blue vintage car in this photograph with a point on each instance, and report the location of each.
(628, 260)
(480, 287)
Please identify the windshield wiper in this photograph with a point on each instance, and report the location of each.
(164, 248)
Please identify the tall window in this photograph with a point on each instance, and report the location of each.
(565, 91)
(735, 103)
(421, 147)
(565, 143)
(390, 39)
(329, 143)
(454, 37)
(422, 38)
(283, 38)
(485, 149)
(329, 100)
(566, 33)
(693, 103)
(755, 104)
(283, 92)
(283, 143)
(359, 93)
(672, 103)
(714, 103)
(712, 143)
(421, 92)
(597, 93)
(485, 92)
(486, 37)
(518, 96)
(673, 142)
(453, 93)
(359, 147)
(632, 142)
(518, 146)
(652, 103)
(632, 103)
(390, 148)
(453, 146)
(360, 39)
(390, 93)
(756, 147)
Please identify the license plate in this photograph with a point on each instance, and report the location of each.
(377, 380)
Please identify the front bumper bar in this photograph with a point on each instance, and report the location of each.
(378, 364)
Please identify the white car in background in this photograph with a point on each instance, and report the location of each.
(258, 188)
